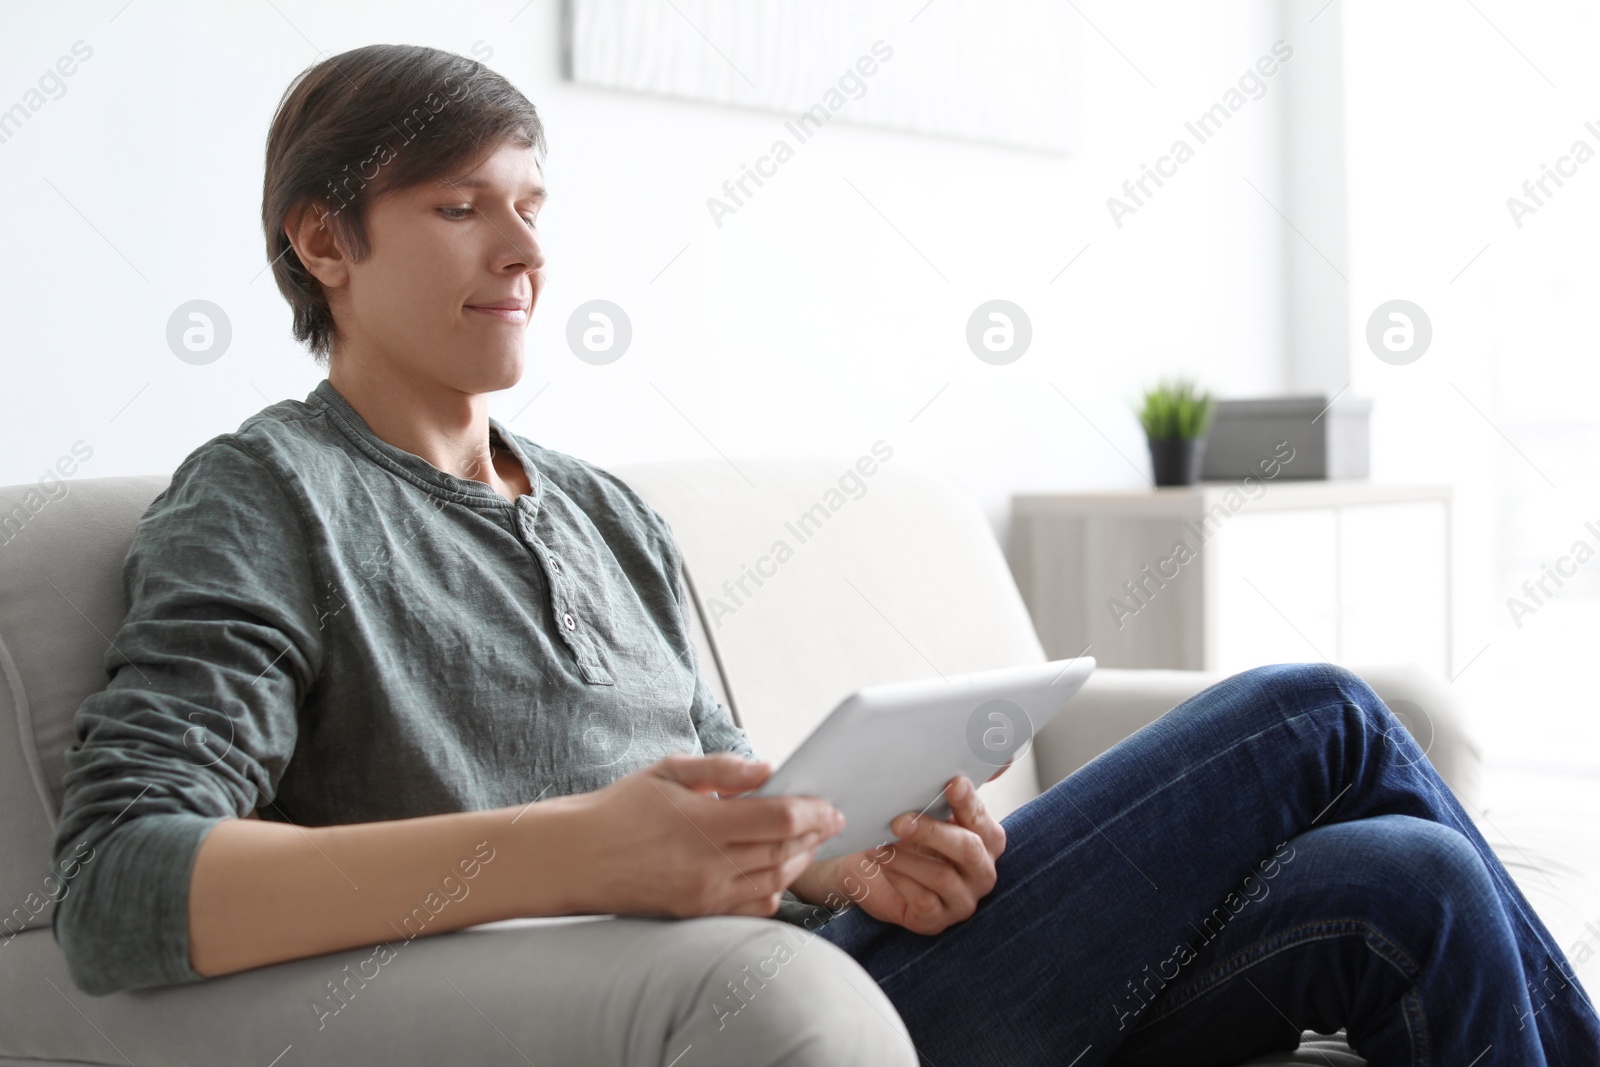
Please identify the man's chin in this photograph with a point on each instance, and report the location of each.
(480, 375)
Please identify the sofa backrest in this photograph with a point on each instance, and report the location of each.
(814, 578)
(61, 603)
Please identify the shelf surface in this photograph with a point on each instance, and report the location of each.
(1187, 501)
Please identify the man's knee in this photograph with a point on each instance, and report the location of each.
(1443, 865)
(782, 995)
(1313, 676)
(1392, 865)
(1285, 688)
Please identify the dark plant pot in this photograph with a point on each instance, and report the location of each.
(1176, 460)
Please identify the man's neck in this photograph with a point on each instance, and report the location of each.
(446, 427)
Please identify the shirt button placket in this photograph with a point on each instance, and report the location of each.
(581, 647)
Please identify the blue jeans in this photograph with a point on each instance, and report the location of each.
(1275, 854)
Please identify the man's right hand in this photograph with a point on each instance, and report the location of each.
(660, 841)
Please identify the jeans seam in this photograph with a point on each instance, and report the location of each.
(993, 900)
(1419, 1033)
(1245, 958)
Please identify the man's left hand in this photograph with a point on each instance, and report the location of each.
(932, 878)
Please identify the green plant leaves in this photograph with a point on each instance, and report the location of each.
(1176, 409)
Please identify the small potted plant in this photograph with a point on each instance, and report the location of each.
(1176, 418)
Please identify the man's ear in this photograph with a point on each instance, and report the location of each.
(310, 230)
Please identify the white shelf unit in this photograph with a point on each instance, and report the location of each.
(1348, 571)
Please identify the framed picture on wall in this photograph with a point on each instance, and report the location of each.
(1003, 71)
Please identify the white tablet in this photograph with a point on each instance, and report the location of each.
(888, 749)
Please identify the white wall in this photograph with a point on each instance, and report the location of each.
(1450, 110)
(804, 324)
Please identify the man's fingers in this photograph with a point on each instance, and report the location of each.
(969, 811)
(941, 886)
(930, 869)
(749, 889)
(961, 846)
(762, 907)
(921, 902)
(762, 855)
(777, 818)
(743, 818)
(723, 772)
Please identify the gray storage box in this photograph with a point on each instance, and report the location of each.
(1328, 442)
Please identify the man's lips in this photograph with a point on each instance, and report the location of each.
(505, 312)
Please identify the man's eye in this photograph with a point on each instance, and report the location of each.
(531, 220)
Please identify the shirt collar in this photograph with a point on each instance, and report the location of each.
(416, 469)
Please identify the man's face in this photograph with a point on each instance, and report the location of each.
(439, 251)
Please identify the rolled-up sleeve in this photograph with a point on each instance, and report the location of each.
(220, 644)
(715, 724)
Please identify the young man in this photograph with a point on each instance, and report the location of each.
(411, 641)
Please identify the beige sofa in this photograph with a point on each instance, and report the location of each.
(889, 575)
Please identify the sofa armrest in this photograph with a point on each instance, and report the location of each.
(1116, 702)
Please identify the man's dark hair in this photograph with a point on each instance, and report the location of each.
(370, 122)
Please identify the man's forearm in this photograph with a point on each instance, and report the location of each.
(263, 892)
